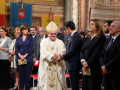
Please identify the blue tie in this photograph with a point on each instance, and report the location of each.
(106, 35)
(111, 41)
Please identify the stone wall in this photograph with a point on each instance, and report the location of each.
(37, 10)
(105, 10)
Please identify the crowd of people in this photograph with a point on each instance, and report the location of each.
(95, 51)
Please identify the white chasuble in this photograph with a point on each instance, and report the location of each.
(51, 72)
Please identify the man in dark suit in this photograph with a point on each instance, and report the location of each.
(110, 58)
(37, 41)
(72, 56)
(106, 27)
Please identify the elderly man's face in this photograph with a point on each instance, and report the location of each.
(114, 28)
(41, 32)
(52, 35)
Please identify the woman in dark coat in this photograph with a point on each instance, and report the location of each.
(90, 54)
(24, 50)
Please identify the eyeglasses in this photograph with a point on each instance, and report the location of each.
(52, 33)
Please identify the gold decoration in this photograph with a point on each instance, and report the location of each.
(22, 62)
(63, 52)
(45, 19)
(52, 27)
(52, 77)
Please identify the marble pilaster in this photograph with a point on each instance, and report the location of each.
(75, 13)
(67, 10)
(83, 14)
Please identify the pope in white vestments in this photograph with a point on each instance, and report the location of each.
(51, 70)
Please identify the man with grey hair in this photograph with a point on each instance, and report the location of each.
(41, 35)
(110, 58)
(60, 34)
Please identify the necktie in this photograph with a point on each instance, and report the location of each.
(107, 35)
(111, 41)
(41, 38)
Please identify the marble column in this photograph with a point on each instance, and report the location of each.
(79, 14)
(67, 10)
(88, 14)
(75, 13)
(84, 14)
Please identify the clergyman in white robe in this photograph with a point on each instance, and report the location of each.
(51, 72)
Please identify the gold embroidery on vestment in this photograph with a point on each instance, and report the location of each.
(52, 77)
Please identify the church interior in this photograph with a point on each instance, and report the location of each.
(78, 11)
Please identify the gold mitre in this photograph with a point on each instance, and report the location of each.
(52, 27)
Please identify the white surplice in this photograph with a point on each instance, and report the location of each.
(51, 72)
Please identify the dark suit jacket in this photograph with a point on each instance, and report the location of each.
(37, 41)
(24, 47)
(35, 36)
(72, 56)
(111, 58)
(91, 51)
(60, 36)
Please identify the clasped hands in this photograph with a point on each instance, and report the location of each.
(85, 65)
(104, 69)
(22, 57)
(57, 56)
(11, 53)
